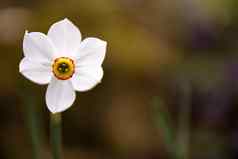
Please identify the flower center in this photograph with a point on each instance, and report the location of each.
(63, 68)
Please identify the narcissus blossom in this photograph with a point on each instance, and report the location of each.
(63, 61)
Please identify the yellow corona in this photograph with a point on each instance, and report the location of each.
(63, 68)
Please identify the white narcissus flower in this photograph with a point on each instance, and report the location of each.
(63, 61)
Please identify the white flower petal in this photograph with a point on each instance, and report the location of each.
(65, 36)
(85, 78)
(39, 73)
(38, 47)
(91, 52)
(60, 95)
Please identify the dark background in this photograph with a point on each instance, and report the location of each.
(169, 90)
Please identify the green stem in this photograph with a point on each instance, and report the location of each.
(55, 135)
(33, 124)
(183, 121)
(163, 122)
(34, 127)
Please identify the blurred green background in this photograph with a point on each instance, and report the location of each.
(169, 91)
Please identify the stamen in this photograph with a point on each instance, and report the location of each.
(63, 68)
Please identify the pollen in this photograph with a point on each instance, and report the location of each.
(63, 68)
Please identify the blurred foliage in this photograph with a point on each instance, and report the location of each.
(152, 45)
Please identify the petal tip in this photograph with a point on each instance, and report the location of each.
(67, 21)
(26, 32)
(104, 43)
(21, 69)
(53, 111)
